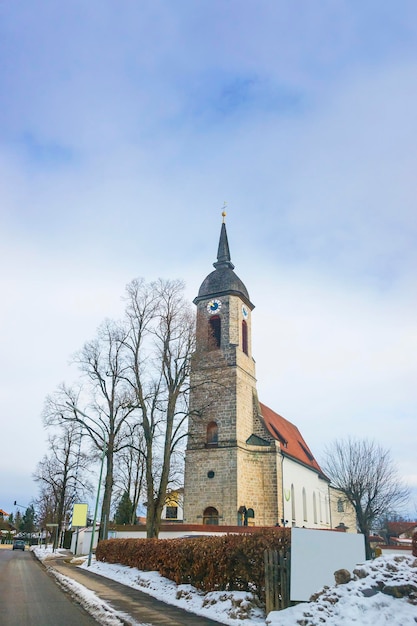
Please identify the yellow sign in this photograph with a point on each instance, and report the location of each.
(79, 515)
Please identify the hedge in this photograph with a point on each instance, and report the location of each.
(209, 563)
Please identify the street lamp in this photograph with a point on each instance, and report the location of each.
(74, 408)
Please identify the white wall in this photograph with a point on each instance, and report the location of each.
(300, 477)
(317, 554)
(84, 540)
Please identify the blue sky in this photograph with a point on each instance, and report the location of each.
(124, 126)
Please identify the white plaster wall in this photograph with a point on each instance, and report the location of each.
(301, 477)
(84, 540)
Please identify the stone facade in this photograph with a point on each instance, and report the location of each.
(223, 391)
(230, 475)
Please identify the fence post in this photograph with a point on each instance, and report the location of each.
(277, 580)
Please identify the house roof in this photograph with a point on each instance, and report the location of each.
(399, 528)
(3, 513)
(401, 541)
(292, 442)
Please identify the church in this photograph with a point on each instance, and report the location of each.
(245, 465)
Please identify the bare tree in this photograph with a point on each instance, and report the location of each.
(106, 405)
(45, 506)
(159, 345)
(60, 474)
(102, 363)
(138, 382)
(366, 474)
(130, 470)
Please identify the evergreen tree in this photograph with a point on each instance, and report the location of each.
(27, 525)
(123, 513)
(18, 520)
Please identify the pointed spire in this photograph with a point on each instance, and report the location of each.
(223, 252)
(223, 281)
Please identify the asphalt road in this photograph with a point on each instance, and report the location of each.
(30, 597)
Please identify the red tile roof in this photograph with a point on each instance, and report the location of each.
(400, 528)
(292, 443)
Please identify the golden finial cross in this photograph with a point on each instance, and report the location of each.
(224, 212)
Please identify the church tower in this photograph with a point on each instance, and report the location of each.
(232, 469)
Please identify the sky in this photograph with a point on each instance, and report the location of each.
(336, 605)
(125, 126)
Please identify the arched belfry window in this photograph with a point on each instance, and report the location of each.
(244, 337)
(211, 516)
(212, 434)
(214, 332)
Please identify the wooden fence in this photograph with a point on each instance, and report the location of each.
(277, 579)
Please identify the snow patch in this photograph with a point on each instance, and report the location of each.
(382, 591)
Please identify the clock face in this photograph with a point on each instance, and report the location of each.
(214, 306)
(245, 311)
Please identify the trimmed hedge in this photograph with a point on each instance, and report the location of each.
(210, 563)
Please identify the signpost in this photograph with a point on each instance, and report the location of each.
(79, 518)
(56, 532)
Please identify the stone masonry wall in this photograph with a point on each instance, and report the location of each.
(223, 389)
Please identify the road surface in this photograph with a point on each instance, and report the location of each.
(31, 597)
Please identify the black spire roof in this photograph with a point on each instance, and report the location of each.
(223, 281)
(223, 253)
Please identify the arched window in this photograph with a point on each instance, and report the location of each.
(250, 514)
(340, 506)
(315, 508)
(292, 503)
(214, 332)
(244, 337)
(211, 516)
(304, 505)
(245, 517)
(212, 434)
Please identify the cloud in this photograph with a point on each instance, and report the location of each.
(124, 130)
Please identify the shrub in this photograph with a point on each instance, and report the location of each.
(414, 544)
(210, 563)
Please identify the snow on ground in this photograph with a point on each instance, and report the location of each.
(227, 607)
(364, 601)
(100, 610)
(372, 597)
